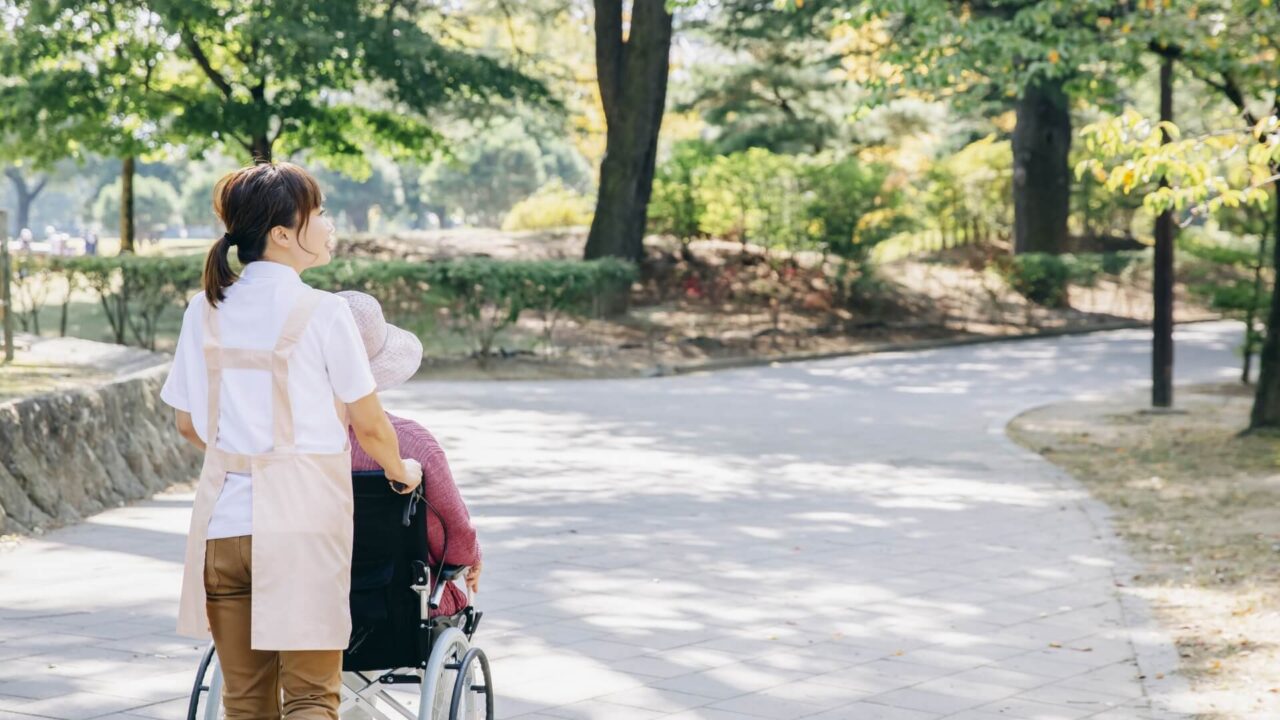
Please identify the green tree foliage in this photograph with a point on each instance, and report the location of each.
(333, 77)
(195, 205)
(78, 79)
(83, 77)
(355, 199)
(970, 191)
(1036, 56)
(779, 86)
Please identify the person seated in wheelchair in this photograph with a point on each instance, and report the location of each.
(394, 356)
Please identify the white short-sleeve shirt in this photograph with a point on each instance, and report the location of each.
(328, 360)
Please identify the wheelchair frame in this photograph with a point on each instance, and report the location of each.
(445, 641)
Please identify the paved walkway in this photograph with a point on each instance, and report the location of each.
(850, 539)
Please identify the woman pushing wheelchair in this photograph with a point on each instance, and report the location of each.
(268, 376)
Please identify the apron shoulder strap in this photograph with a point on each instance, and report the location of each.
(212, 345)
(282, 408)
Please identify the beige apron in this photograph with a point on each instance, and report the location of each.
(302, 511)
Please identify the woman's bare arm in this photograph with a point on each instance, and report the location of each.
(187, 429)
(378, 438)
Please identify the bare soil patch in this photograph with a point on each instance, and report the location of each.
(724, 300)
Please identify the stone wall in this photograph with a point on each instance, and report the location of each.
(67, 455)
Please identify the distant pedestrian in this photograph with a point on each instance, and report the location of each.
(57, 241)
(24, 239)
(91, 243)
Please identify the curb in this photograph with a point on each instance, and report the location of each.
(1155, 653)
(907, 346)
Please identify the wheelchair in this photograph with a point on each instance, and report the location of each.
(395, 644)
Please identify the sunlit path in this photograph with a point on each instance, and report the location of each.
(843, 539)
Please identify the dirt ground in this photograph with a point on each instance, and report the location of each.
(676, 319)
(688, 311)
(43, 365)
(1199, 505)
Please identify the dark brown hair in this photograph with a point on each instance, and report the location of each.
(250, 201)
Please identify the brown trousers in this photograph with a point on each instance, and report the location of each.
(311, 680)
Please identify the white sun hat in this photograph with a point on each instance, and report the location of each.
(394, 353)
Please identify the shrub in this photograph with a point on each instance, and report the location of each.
(1083, 269)
(850, 208)
(482, 296)
(838, 205)
(553, 205)
(29, 289)
(487, 296)
(675, 206)
(1116, 263)
(1041, 278)
(754, 196)
(134, 291)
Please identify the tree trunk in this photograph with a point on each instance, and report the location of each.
(27, 194)
(411, 184)
(633, 87)
(126, 205)
(359, 217)
(1266, 403)
(1251, 314)
(261, 149)
(1162, 284)
(1041, 175)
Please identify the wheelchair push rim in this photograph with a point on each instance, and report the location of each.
(210, 691)
(466, 690)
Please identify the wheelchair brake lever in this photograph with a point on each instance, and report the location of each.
(411, 507)
(437, 595)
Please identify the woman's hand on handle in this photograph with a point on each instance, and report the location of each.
(473, 577)
(407, 477)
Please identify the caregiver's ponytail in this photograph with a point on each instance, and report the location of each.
(250, 202)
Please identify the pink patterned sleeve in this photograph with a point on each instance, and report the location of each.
(417, 442)
(453, 519)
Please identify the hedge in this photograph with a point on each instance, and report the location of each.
(1043, 278)
(481, 296)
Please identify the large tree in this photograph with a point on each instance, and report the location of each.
(26, 187)
(332, 77)
(1032, 55)
(1230, 46)
(631, 71)
(78, 78)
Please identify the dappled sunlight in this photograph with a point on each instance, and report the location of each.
(712, 536)
(708, 542)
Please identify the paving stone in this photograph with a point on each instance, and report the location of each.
(872, 711)
(706, 546)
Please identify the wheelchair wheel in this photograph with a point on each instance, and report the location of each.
(206, 694)
(473, 690)
(441, 673)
